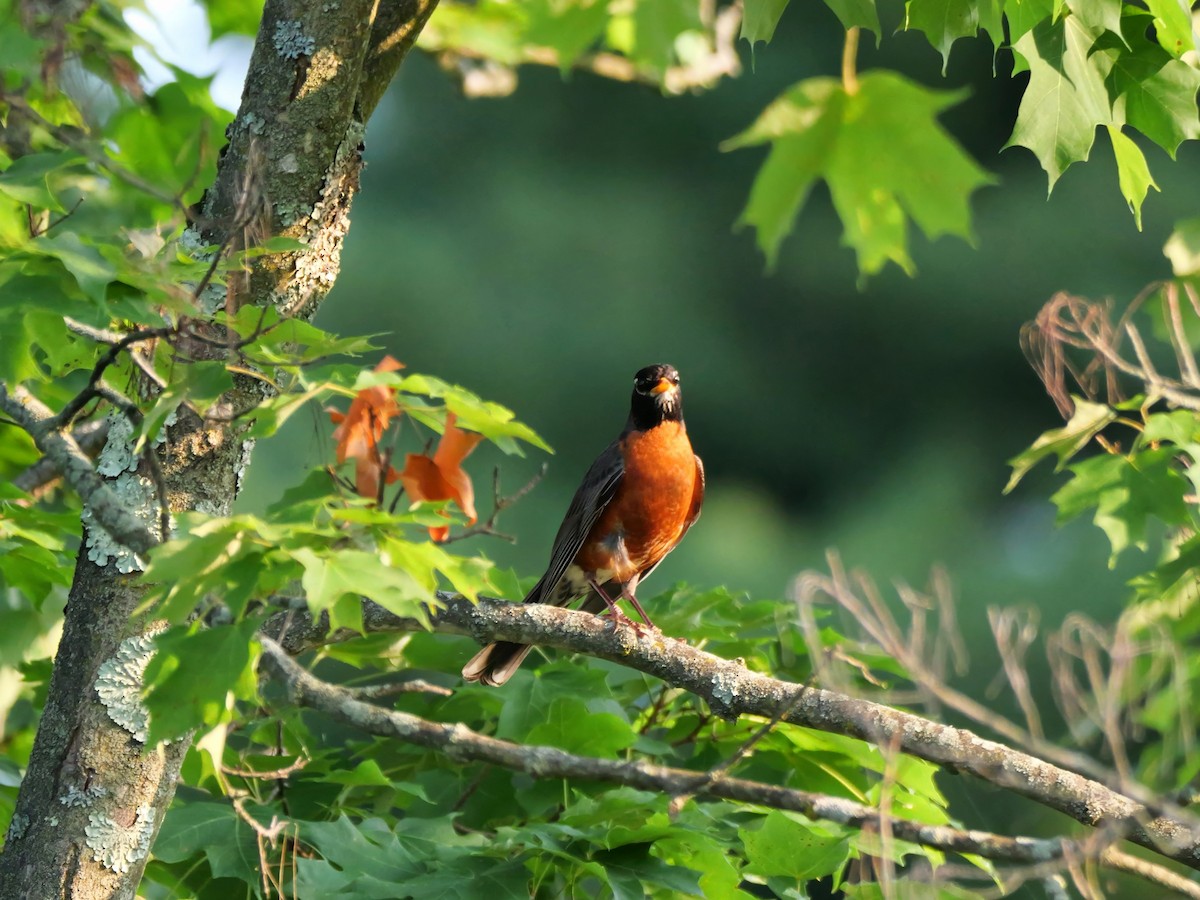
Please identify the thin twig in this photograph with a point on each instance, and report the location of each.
(412, 686)
(499, 504)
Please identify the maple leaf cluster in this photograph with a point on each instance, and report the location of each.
(436, 477)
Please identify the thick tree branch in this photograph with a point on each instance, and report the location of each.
(90, 437)
(393, 33)
(64, 451)
(463, 744)
(731, 689)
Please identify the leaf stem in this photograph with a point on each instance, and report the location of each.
(849, 60)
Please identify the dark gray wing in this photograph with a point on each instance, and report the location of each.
(595, 493)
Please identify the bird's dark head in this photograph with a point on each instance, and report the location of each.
(656, 397)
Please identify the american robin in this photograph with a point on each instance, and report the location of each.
(635, 504)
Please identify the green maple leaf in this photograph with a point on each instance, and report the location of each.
(1149, 88)
(943, 21)
(569, 28)
(1133, 174)
(1173, 25)
(760, 19)
(1126, 492)
(856, 13)
(881, 151)
(1098, 15)
(1088, 420)
(1066, 98)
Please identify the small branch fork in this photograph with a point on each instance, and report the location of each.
(462, 744)
(730, 689)
(1068, 324)
(61, 447)
(499, 504)
(1101, 700)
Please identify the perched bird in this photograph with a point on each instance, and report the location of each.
(635, 504)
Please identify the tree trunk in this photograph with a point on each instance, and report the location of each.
(94, 794)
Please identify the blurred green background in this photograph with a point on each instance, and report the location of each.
(540, 248)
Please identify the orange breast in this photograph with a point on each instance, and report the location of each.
(648, 516)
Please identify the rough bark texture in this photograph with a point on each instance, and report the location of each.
(730, 689)
(94, 795)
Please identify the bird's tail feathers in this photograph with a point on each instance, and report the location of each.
(495, 663)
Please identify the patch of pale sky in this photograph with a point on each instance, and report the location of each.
(179, 34)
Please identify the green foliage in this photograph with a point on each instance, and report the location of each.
(818, 129)
(760, 19)
(367, 815)
(1088, 420)
(1140, 490)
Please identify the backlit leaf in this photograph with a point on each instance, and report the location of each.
(442, 477)
(1183, 247)
(760, 19)
(1088, 420)
(943, 22)
(1132, 172)
(856, 13)
(1066, 98)
(817, 129)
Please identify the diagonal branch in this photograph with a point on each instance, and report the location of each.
(462, 744)
(90, 437)
(731, 690)
(64, 451)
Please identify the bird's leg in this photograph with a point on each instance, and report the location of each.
(614, 610)
(627, 593)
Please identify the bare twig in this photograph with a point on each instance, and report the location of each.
(499, 504)
(1179, 338)
(268, 774)
(838, 587)
(1014, 632)
(412, 686)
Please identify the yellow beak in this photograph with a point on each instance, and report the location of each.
(663, 385)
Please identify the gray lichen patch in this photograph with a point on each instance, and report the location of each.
(119, 684)
(318, 264)
(117, 457)
(291, 42)
(16, 828)
(254, 124)
(724, 696)
(82, 797)
(290, 213)
(243, 464)
(139, 497)
(116, 846)
(119, 462)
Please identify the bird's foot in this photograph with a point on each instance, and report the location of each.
(619, 618)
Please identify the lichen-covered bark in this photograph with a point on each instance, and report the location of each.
(94, 795)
